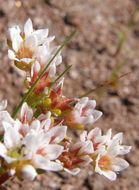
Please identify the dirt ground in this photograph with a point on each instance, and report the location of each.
(107, 41)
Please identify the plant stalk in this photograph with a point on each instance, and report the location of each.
(66, 41)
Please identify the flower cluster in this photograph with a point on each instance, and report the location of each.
(37, 140)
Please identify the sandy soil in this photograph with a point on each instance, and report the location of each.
(107, 41)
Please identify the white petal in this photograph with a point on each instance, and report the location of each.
(96, 132)
(53, 151)
(87, 148)
(113, 150)
(3, 105)
(119, 164)
(88, 120)
(28, 172)
(17, 125)
(91, 104)
(83, 136)
(3, 150)
(11, 54)
(40, 162)
(28, 28)
(48, 40)
(27, 112)
(74, 171)
(35, 68)
(41, 35)
(84, 100)
(45, 164)
(60, 84)
(97, 114)
(11, 136)
(124, 149)
(42, 54)
(12, 32)
(16, 42)
(31, 43)
(52, 71)
(102, 150)
(110, 175)
(5, 116)
(32, 141)
(43, 117)
(26, 60)
(47, 124)
(54, 166)
(57, 133)
(57, 60)
(35, 125)
(108, 135)
(118, 137)
(36, 140)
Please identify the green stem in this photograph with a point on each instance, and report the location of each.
(90, 91)
(106, 83)
(66, 41)
(60, 76)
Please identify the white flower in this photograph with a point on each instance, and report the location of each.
(76, 156)
(107, 162)
(37, 149)
(32, 46)
(43, 55)
(27, 123)
(114, 144)
(11, 145)
(4, 115)
(42, 153)
(84, 112)
(95, 136)
(57, 133)
(109, 165)
(24, 44)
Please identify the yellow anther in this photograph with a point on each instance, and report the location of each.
(57, 112)
(47, 102)
(78, 126)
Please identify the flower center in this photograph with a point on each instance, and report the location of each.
(70, 159)
(105, 163)
(84, 111)
(24, 52)
(16, 152)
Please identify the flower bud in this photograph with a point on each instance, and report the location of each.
(28, 172)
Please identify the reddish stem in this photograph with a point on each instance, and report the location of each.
(4, 177)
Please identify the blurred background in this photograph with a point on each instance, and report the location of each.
(104, 56)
